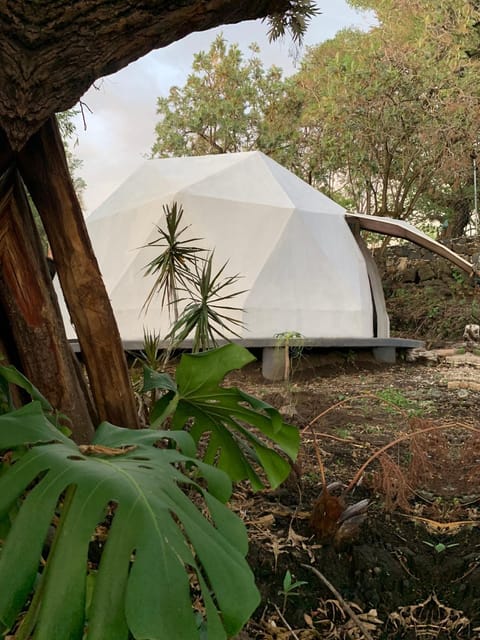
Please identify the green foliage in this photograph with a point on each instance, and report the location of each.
(294, 20)
(224, 416)
(396, 398)
(292, 343)
(290, 588)
(174, 265)
(159, 544)
(184, 275)
(153, 357)
(393, 114)
(9, 375)
(173, 564)
(150, 354)
(228, 104)
(458, 276)
(207, 315)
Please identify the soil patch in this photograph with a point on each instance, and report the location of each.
(411, 567)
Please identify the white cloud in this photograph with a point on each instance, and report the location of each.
(120, 131)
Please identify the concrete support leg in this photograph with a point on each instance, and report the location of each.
(385, 354)
(273, 363)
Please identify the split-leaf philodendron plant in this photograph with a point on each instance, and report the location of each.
(171, 540)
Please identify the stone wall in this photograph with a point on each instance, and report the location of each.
(428, 297)
(410, 263)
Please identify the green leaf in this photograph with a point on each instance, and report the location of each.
(158, 540)
(231, 418)
(155, 380)
(11, 375)
(287, 580)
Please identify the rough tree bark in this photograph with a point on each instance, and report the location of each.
(44, 168)
(460, 218)
(51, 52)
(30, 308)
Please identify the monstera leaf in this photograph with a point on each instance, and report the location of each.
(10, 375)
(227, 415)
(160, 552)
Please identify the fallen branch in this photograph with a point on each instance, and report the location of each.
(347, 608)
(282, 618)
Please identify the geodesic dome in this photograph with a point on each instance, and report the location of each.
(301, 266)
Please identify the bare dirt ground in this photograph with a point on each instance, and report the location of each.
(410, 567)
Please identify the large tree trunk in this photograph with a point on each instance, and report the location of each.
(30, 313)
(459, 220)
(51, 52)
(44, 169)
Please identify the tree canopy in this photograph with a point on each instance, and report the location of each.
(396, 110)
(229, 103)
(385, 121)
(53, 51)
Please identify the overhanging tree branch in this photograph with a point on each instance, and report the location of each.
(51, 54)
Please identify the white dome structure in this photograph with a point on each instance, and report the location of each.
(300, 264)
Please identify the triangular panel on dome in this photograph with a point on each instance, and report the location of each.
(300, 193)
(306, 288)
(249, 180)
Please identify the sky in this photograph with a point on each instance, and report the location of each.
(120, 112)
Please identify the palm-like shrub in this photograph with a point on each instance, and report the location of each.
(207, 315)
(173, 265)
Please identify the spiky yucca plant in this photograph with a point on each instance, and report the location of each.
(174, 265)
(207, 315)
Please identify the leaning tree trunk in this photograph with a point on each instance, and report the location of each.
(30, 313)
(459, 220)
(44, 168)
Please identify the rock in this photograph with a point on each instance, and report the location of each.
(421, 355)
(425, 272)
(464, 386)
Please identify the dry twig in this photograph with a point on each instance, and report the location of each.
(347, 608)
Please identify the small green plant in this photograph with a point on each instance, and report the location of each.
(289, 588)
(440, 547)
(292, 344)
(150, 356)
(343, 432)
(433, 312)
(185, 275)
(395, 398)
(458, 276)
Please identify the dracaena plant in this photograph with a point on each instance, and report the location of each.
(173, 266)
(208, 314)
(173, 563)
